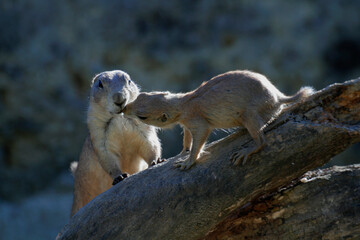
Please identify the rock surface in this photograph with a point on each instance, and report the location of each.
(321, 205)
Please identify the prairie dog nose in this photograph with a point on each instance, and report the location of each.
(118, 99)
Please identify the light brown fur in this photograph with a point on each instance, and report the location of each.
(115, 144)
(233, 99)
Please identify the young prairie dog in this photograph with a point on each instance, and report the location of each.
(236, 98)
(116, 145)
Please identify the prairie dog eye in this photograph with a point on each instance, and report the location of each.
(129, 81)
(100, 85)
(142, 118)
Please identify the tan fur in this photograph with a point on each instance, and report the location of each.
(232, 99)
(115, 144)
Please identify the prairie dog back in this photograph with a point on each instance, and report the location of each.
(225, 100)
(230, 95)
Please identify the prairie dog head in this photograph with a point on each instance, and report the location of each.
(112, 90)
(153, 108)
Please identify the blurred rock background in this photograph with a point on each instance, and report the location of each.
(50, 50)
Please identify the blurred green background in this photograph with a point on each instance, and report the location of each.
(50, 50)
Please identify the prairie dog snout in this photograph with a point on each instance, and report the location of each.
(119, 100)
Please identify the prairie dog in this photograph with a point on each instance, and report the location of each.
(232, 99)
(116, 145)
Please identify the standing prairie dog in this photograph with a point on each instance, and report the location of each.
(116, 145)
(233, 99)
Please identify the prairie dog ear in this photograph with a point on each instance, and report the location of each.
(95, 78)
(164, 117)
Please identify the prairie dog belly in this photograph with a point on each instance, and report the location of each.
(225, 118)
(125, 138)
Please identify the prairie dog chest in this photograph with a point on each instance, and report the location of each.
(125, 135)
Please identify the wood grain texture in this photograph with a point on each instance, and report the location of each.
(324, 204)
(166, 203)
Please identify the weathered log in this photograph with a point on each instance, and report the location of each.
(324, 204)
(166, 203)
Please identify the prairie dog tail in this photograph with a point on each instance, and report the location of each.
(303, 93)
(73, 167)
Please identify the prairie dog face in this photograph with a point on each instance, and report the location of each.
(153, 109)
(113, 90)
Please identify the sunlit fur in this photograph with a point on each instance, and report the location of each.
(232, 99)
(166, 103)
(116, 144)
